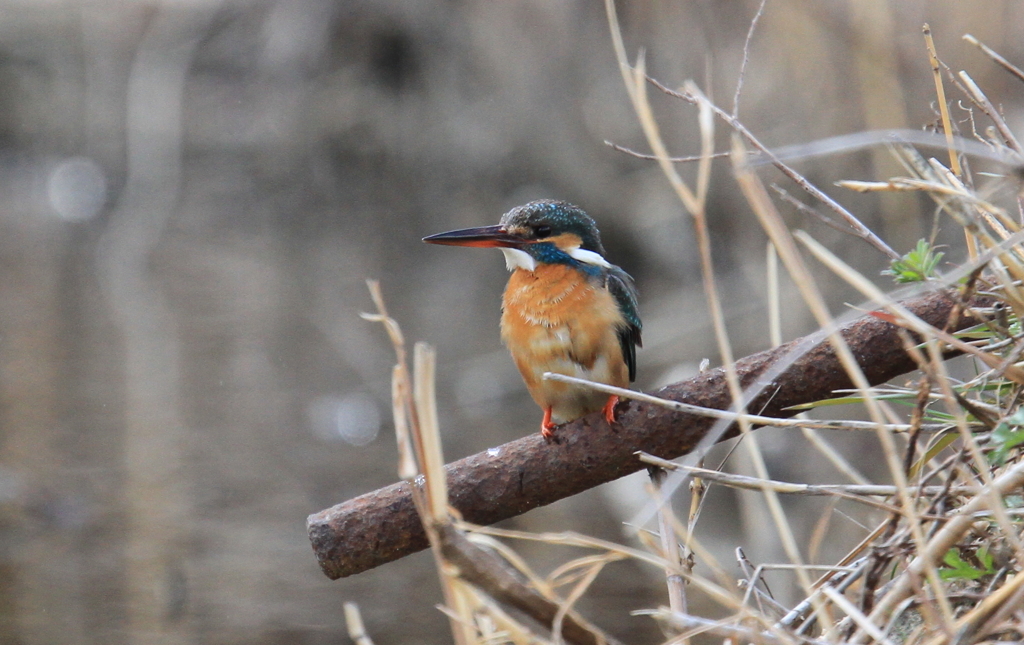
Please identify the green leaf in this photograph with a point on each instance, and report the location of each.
(916, 266)
(986, 559)
(957, 568)
(1017, 418)
(953, 559)
(940, 444)
(1006, 437)
(907, 398)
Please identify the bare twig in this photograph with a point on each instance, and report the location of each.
(840, 579)
(848, 491)
(868, 138)
(640, 155)
(755, 419)
(807, 210)
(947, 127)
(990, 110)
(856, 615)
(746, 57)
(751, 578)
(991, 53)
(669, 544)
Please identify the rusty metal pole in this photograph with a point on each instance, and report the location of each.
(503, 482)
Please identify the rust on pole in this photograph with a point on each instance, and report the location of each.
(509, 480)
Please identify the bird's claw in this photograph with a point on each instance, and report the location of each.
(609, 409)
(547, 427)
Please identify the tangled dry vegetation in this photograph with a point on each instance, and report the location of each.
(943, 562)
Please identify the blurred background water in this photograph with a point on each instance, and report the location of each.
(193, 192)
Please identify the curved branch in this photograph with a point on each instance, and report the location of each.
(503, 482)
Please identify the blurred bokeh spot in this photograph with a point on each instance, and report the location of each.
(76, 188)
(354, 418)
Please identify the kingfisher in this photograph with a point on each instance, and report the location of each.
(566, 309)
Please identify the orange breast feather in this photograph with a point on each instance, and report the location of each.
(555, 320)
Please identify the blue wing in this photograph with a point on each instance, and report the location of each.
(621, 286)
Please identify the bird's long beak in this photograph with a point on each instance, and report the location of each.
(482, 236)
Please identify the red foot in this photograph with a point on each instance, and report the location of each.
(547, 427)
(609, 409)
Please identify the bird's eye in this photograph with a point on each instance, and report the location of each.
(541, 231)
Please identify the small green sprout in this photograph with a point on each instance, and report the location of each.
(959, 569)
(1007, 435)
(917, 266)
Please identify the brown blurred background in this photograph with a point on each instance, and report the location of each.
(192, 194)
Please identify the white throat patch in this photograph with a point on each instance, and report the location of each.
(589, 257)
(516, 259)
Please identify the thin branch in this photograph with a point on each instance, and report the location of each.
(990, 110)
(746, 57)
(807, 210)
(856, 615)
(854, 141)
(841, 580)
(940, 92)
(991, 53)
(669, 544)
(646, 157)
(849, 491)
(756, 419)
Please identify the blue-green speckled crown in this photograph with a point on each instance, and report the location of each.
(562, 217)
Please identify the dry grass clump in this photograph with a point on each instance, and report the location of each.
(943, 560)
